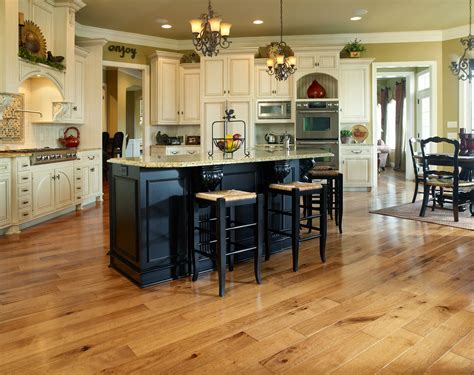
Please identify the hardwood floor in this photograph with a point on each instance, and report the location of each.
(394, 297)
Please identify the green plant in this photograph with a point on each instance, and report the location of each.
(27, 55)
(346, 133)
(355, 46)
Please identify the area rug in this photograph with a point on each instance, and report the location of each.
(411, 211)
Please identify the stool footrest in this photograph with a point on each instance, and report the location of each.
(309, 227)
(279, 212)
(241, 226)
(308, 238)
(210, 220)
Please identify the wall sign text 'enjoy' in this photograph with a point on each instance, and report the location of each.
(123, 50)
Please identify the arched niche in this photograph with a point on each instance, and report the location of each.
(327, 81)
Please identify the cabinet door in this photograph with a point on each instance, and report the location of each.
(212, 111)
(213, 76)
(326, 61)
(306, 62)
(264, 83)
(64, 187)
(354, 95)
(94, 179)
(79, 69)
(43, 191)
(283, 88)
(5, 200)
(240, 71)
(357, 171)
(190, 99)
(168, 89)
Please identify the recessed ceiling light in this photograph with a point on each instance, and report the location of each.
(166, 26)
(356, 18)
(161, 20)
(257, 22)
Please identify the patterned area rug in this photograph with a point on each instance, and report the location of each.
(440, 216)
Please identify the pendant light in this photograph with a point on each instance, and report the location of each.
(463, 67)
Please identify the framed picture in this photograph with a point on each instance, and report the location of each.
(193, 140)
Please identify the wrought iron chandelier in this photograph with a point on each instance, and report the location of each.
(465, 65)
(210, 33)
(282, 65)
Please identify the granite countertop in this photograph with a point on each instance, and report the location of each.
(5, 154)
(256, 156)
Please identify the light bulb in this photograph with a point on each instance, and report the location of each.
(215, 24)
(196, 26)
(270, 63)
(225, 28)
(280, 59)
(292, 60)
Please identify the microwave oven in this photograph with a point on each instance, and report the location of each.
(273, 110)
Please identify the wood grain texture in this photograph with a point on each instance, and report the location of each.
(394, 297)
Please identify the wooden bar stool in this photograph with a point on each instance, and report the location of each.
(298, 190)
(334, 180)
(222, 243)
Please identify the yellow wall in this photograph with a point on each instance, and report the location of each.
(450, 83)
(124, 81)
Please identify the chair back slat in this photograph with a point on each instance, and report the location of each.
(417, 165)
(432, 161)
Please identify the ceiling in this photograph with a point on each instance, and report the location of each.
(301, 17)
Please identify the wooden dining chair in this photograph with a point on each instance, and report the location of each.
(448, 178)
(417, 167)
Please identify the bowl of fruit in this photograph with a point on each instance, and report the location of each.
(229, 144)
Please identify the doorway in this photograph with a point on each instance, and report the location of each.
(404, 97)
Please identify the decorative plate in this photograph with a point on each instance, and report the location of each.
(360, 133)
(33, 40)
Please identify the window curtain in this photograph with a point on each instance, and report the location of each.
(383, 107)
(400, 94)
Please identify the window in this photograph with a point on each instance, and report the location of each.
(424, 81)
(391, 115)
(466, 105)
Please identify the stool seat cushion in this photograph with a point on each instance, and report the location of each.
(324, 173)
(228, 195)
(302, 186)
(323, 168)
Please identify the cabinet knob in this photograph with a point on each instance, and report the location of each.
(92, 169)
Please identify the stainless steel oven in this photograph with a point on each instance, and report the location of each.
(273, 110)
(317, 120)
(329, 146)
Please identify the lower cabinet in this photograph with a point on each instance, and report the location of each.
(53, 188)
(87, 180)
(356, 165)
(5, 200)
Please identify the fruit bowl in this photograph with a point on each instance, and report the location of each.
(228, 145)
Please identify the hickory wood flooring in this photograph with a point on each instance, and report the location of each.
(395, 297)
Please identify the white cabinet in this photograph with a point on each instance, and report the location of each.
(5, 193)
(227, 76)
(175, 90)
(77, 115)
(87, 176)
(53, 188)
(189, 94)
(316, 60)
(175, 150)
(357, 164)
(354, 90)
(269, 87)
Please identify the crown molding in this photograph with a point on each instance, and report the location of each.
(293, 40)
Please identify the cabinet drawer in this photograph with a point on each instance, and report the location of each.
(4, 166)
(24, 190)
(24, 202)
(175, 151)
(192, 150)
(353, 151)
(88, 155)
(23, 164)
(24, 214)
(24, 177)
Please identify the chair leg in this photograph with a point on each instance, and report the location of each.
(323, 224)
(340, 199)
(330, 197)
(231, 238)
(433, 196)
(221, 245)
(268, 235)
(308, 210)
(295, 227)
(416, 190)
(426, 198)
(456, 203)
(258, 215)
(192, 237)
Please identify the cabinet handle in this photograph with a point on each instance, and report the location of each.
(58, 176)
(74, 108)
(25, 214)
(53, 178)
(174, 152)
(182, 112)
(78, 188)
(191, 152)
(25, 178)
(78, 178)
(356, 151)
(91, 157)
(25, 165)
(25, 202)
(24, 190)
(92, 169)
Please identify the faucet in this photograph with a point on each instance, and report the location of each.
(28, 111)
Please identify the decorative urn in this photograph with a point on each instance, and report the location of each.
(316, 91)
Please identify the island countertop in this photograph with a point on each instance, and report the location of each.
(256, 156)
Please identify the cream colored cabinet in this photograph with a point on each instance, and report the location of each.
(269, 87)
(77, 114)
(227, 76)
(316, 60)
(5, 193)
(87, 176)
(159, 150)
(189, 94)
(357, 164)
(53, 188)
(354, 90)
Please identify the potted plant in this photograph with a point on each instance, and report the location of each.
(346, 136)
(354, 48)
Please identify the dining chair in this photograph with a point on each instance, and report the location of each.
(448, 177)
(417, 167)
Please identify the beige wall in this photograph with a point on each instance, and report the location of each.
(124, 82)
(450, 83)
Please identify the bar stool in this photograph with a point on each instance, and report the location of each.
(222, 243)
(298, 190)
(334, 180)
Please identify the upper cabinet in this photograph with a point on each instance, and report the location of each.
(77, 114)
(175, 90)
(268, 87)
(354, 89)
(318, 60)
(227, 76)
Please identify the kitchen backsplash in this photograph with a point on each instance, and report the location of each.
(262, 129)
(37, 136)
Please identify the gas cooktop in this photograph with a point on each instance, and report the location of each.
(46, 155)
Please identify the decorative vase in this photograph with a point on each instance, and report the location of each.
(345, 140)
(354, 54)
(316, 91)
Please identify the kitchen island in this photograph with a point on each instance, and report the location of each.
(150, 196)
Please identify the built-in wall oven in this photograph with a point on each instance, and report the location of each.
(317, 120)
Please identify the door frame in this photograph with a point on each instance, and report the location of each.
(433, 65)
(145, 69)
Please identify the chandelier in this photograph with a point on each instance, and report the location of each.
(209, 33)
(465, 65)
(282, 65)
